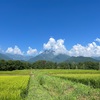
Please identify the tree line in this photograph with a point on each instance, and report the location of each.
(42, 64)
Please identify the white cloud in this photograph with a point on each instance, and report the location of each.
(31, 51)
(50, 44)
(77, 50)
(97, 39)
(92, 49)
(14, 50)
(56, 45)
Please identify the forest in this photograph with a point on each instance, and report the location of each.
(42, 64)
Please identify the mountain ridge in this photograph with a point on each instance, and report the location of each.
(81, 59)
(4, 57)
(49, 55)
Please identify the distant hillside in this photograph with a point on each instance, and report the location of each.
(18, 57)
(80, 59)
(49, 55)
(60, 58)
(5, 57)
(97, 58)
(46, 55)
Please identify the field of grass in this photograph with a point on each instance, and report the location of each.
(70, 71)
(13, 87)
(15, 72)
(88, 79)
(50, 84)
(44, 86)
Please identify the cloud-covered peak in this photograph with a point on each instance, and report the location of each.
(15, 50)
(55, 45)
(32, 51)
(91, 49)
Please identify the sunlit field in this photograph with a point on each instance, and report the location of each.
(88, 79)
(15, 72)
(50, 84)
(13, 87)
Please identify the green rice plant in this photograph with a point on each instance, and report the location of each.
(47, 87)
(16, 72)
(70, 71)
(13, 87)
(88, 79)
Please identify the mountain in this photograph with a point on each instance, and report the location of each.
(46, 55)
(97, 58)
(60, 58)
(4, 57)
(49, 55)
(80, 59)
(18, 57)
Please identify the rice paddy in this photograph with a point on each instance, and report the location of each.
(13, 87)
(50, 85)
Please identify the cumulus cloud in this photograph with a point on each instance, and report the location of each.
(92, 49)
(97, 39)
(77, 50)
(14, 50)
(32, 51)
(55, 45)
(89, 50)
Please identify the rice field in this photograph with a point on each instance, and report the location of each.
(50, 84)
(88, 79)
(15, 72)
(45, 85)
(13, 87)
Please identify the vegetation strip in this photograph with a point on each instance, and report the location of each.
(88, 79)
(13, 87)
(43, 86)
(11, 65)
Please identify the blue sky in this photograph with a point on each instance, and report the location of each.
(31, 23)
